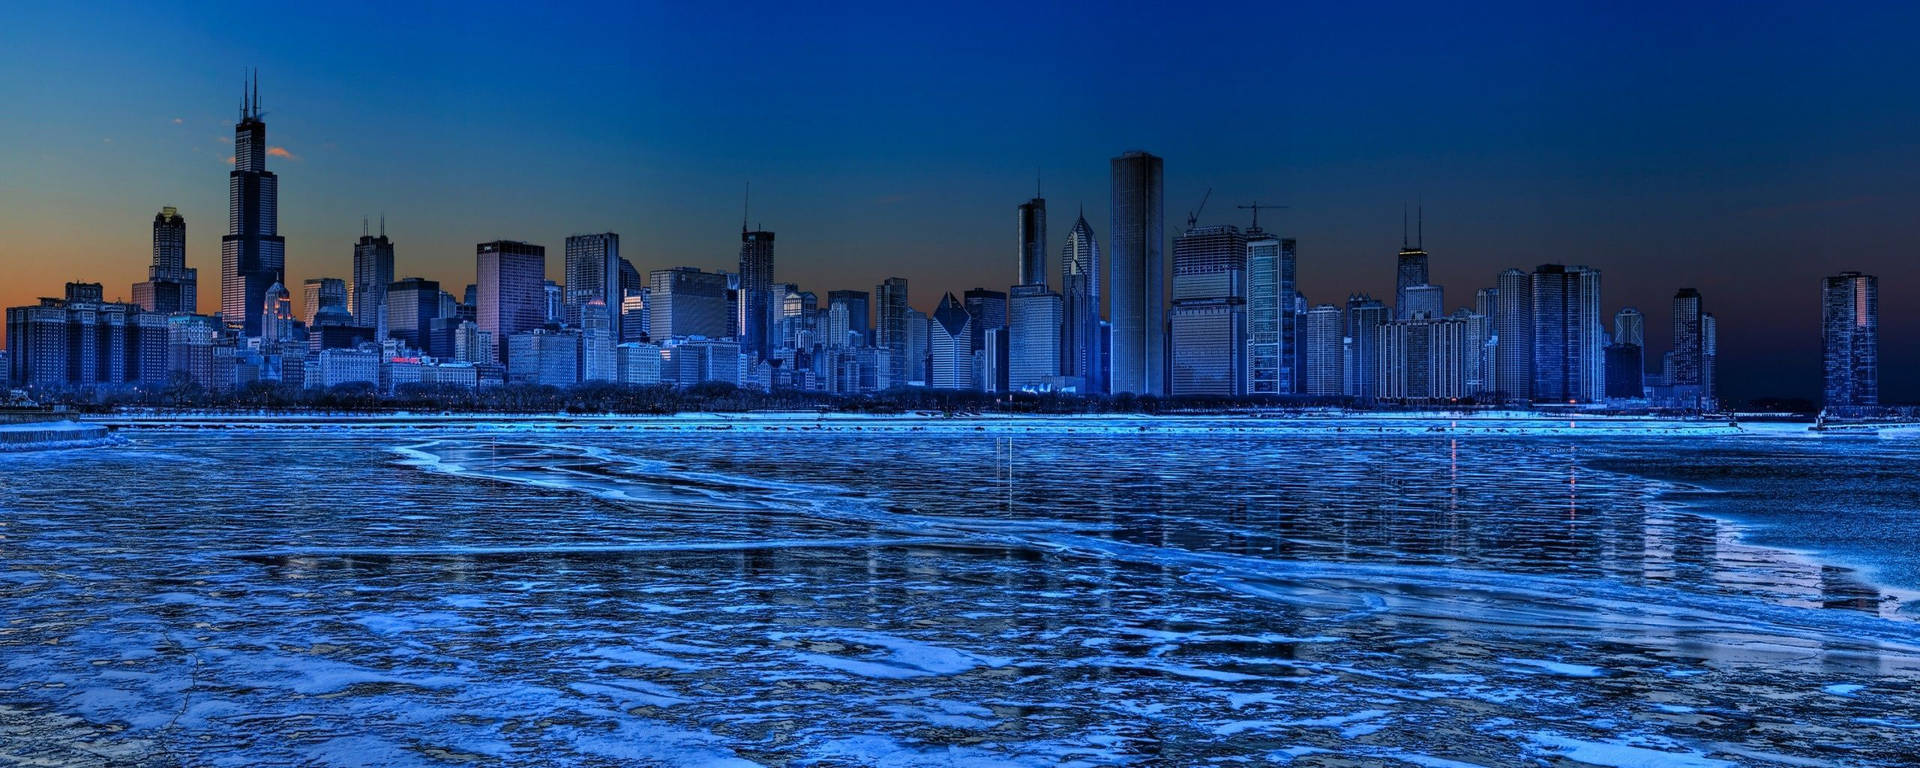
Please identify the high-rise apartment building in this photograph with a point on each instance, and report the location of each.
(1569, 363)
(1513, 330)
(1271, 316)
(1850, 339)
(1423, 359)
(1365, 315)
(1325, 363)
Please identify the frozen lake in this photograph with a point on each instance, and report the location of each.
(529, 596)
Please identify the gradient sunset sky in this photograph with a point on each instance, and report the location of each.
(1743, 149)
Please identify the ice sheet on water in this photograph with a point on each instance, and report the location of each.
(668, 599)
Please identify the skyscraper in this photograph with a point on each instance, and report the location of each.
(593, 272)
(372, 273)
(1423, 358)
(1033, 333)
(890, 327)
(1422, 299)
(849, 313)
(919, 335)
(319, 293)
(1709, 355)
(1080, 338)
(1032, 231)
(685, 302)
(1626, 356)
(989, 311)
(1689, 346)
(1410, 270)
(512, 294)
(1630, 327)
(1850, 339)
(1365, 316)
(253, 255)
(1136, 282)
(950, 345)
(412, 305)
(1324, 374)
(1209, 316)
(1569, 363)
(1486, 304)
(758, 305)
(1513, 336)
(1270, 316)
(171, 286)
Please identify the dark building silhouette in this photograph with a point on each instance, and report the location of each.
(253, 255)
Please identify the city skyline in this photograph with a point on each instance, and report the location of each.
(1342, 222)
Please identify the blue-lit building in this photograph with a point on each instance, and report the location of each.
(1850, 339)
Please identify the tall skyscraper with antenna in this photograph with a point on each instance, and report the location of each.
(758, 310)
(1411, 269)
(1033, 241)
(372, 272)
(253, 255)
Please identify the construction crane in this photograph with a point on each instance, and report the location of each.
(1193, 216)
(1256, 206)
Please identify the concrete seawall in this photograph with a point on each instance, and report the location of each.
(46, 435)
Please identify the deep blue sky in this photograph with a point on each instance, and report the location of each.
(1744, 149)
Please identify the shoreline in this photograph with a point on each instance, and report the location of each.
(1495, 423)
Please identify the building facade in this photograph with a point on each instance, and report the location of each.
(1136, 277)
(1271, 317)
(511, 295)
(1208, 322)
(1850, 339)
(171, 285)
(253, 255)
(1080, 336)
(593, 272)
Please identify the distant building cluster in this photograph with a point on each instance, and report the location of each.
(1230, 322)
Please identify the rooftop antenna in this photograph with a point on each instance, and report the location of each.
(363, 226)
(383, 224)
(256, 91)
(745, 205)
(1403, 226)
(243, 94)
(1256, 206)
(1036, 184)
(1420, 233)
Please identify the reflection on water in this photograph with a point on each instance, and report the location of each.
(931, 599)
